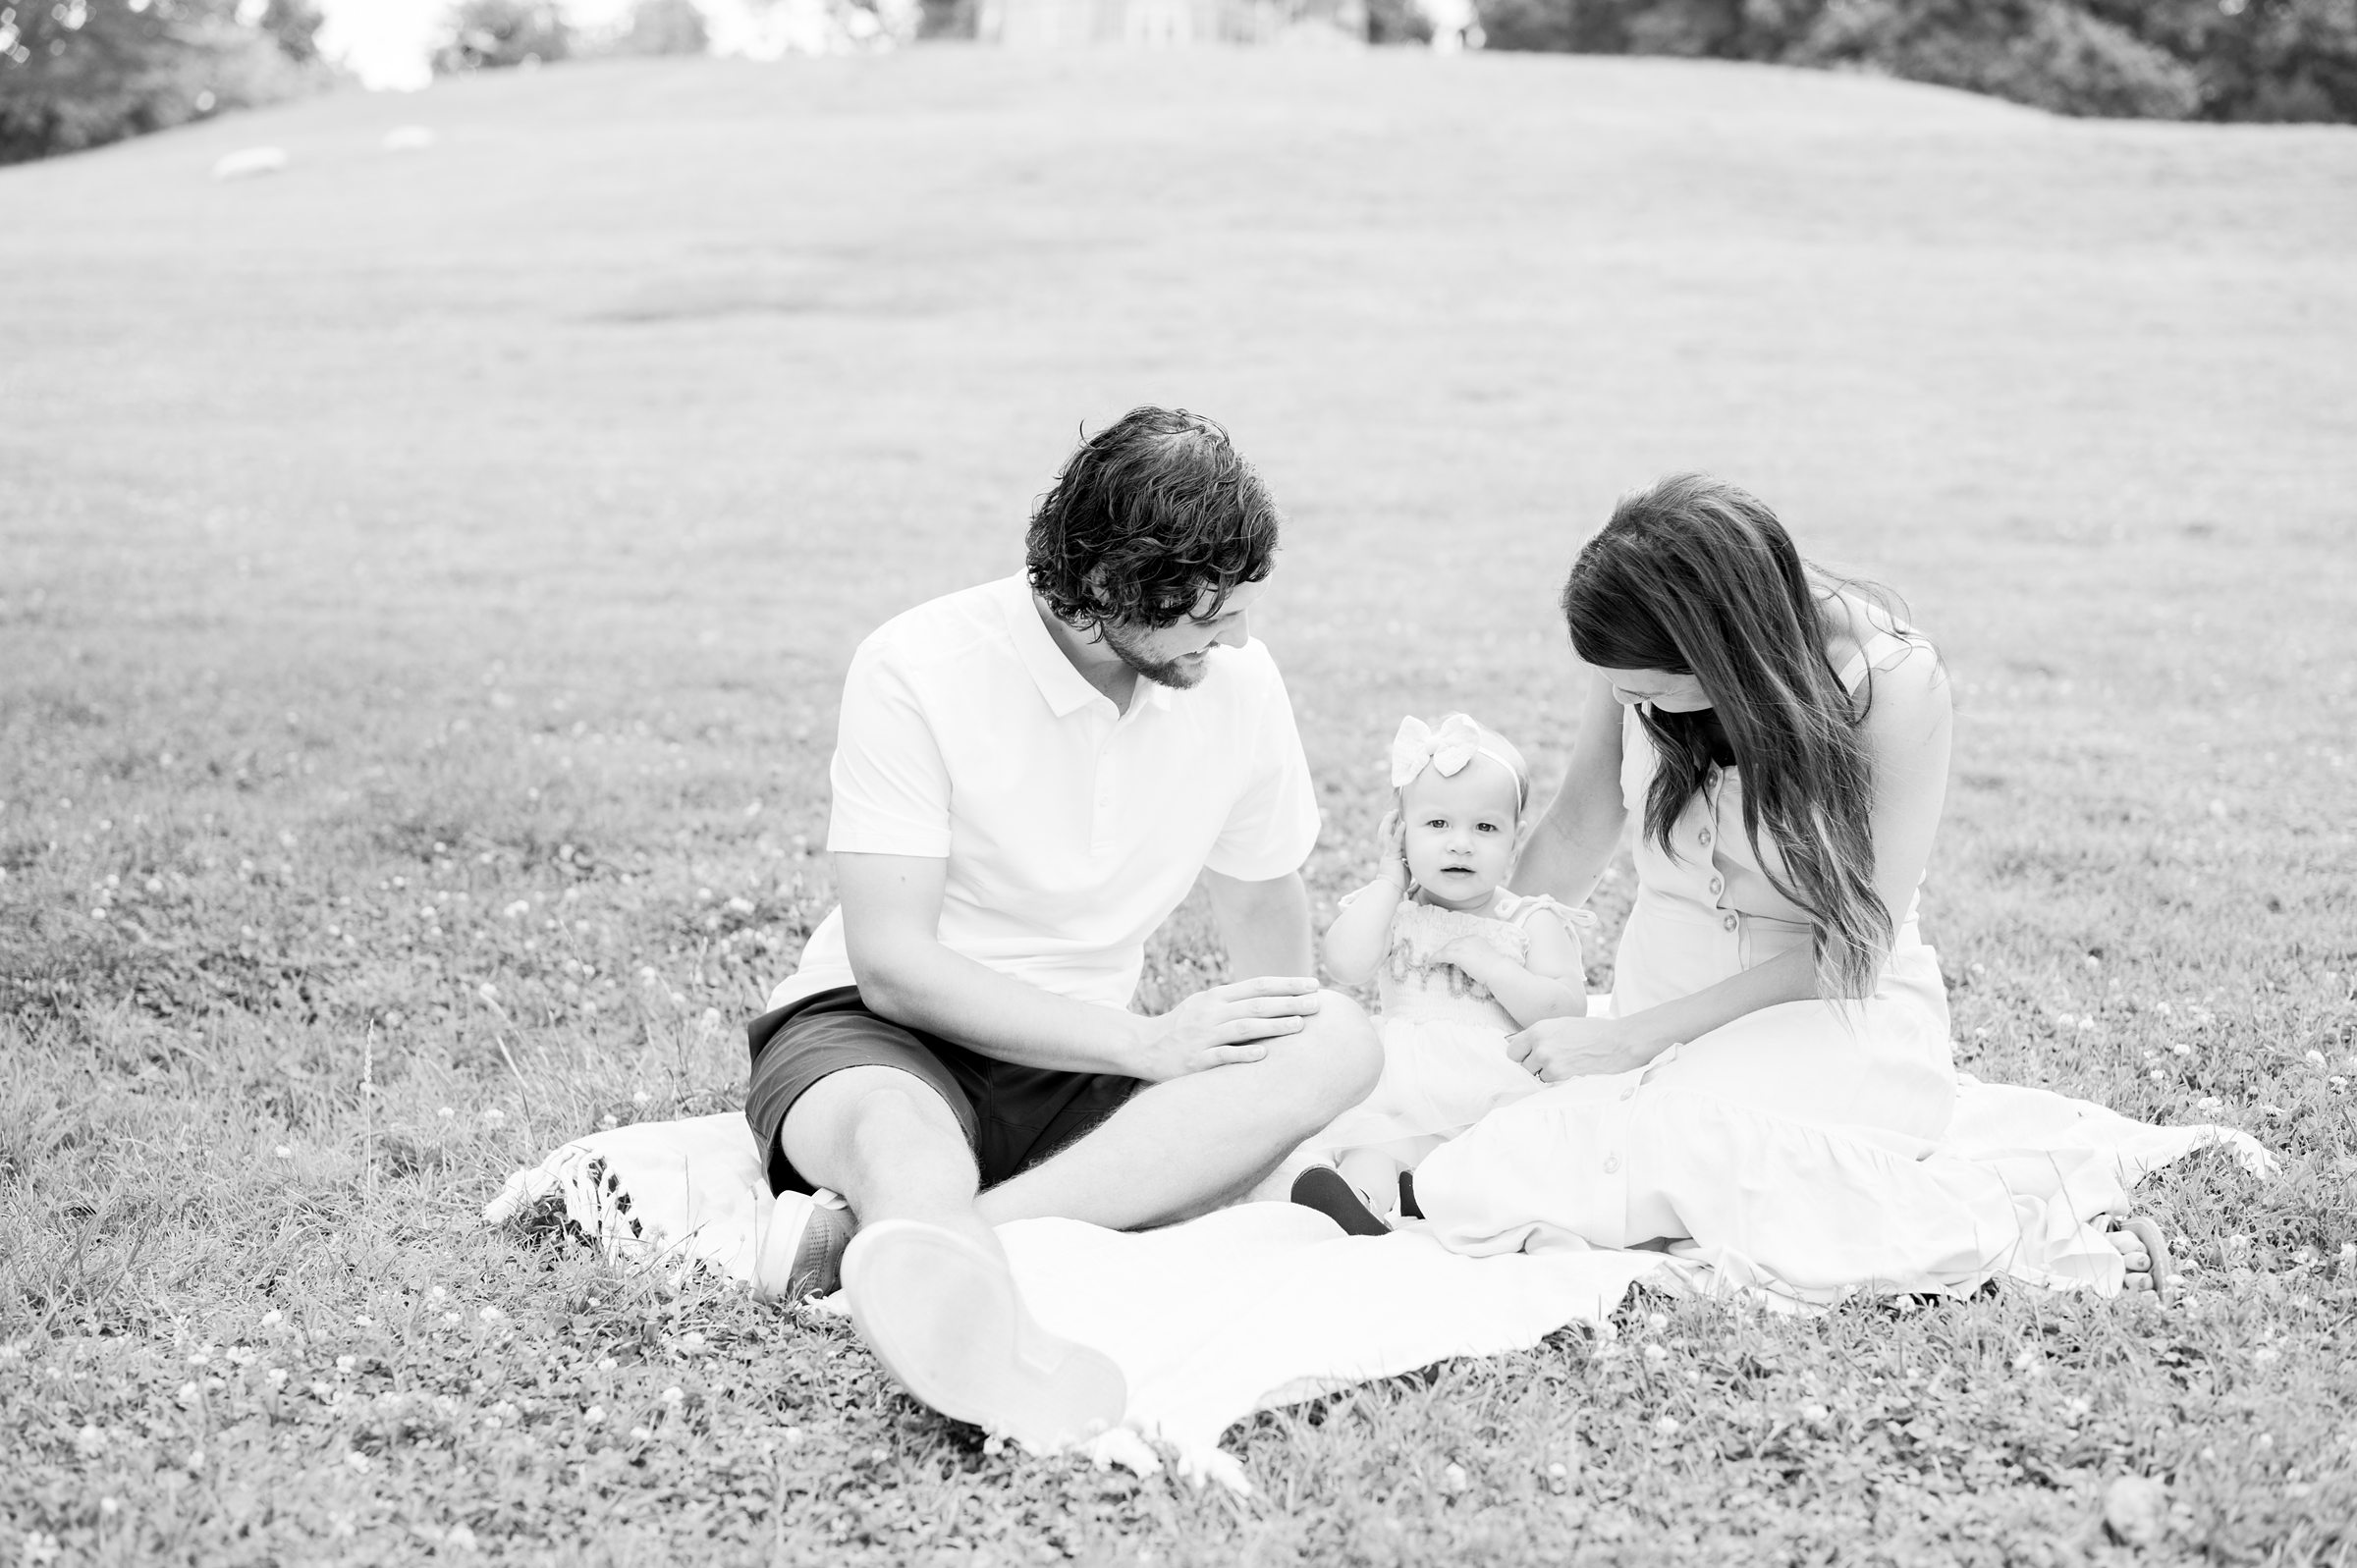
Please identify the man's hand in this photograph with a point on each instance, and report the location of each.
(1555, 1048)
(1226, 1024)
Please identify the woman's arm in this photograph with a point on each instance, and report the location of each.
(1567, 849)
(1908, 732)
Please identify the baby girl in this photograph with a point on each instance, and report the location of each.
(1458, 962)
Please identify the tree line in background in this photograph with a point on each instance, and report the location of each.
(76, 74)
(2156, 59)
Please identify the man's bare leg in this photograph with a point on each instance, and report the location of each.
(890, 1146)
(1180, 1147)
(929, 1287)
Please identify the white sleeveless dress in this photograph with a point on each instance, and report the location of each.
(1794, 1146)
(1444, 1064)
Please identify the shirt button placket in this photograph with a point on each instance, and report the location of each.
(1101, 819)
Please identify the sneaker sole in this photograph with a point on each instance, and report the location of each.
(944, 1319)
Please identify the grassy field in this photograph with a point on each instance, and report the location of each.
(426, 580)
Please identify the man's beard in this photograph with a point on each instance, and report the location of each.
(1187, 669)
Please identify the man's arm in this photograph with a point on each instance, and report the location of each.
(890, 927)
(1265, 923)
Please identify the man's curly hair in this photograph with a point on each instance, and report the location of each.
(1151, 513)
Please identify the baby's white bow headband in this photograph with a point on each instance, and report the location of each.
(1447, 751)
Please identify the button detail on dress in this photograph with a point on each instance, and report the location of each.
(1703, 837)
(1728, 922)
(1717, 885)
(1612, 1162)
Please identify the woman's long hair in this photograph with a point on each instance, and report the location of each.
(1694, 576)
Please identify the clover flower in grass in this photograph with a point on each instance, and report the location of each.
(594, 1416)
(277, 1377)
(240, 1356)
(490, 1315)
(273, 1318)
(607, 1363)
(2316, 1059)
(675, 1396)
(1654, 1355)
(357, 1461)
(640, 1434)
(494, 1118)
(188, 1394)
(201, 1356)
(1814, 1415)
(1667, 1425)
(1454, 1480)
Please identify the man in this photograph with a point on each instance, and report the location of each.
(1028, 777)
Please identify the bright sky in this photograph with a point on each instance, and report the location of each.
(385, 42)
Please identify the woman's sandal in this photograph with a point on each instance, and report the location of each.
(2160, 1267)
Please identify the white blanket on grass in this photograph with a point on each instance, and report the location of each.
(1264, 1304)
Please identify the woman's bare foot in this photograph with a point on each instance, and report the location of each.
(2150, 1266)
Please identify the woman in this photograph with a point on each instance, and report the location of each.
(1775, 1068)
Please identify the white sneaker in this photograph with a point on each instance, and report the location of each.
(801, 1254)
(943, 1317)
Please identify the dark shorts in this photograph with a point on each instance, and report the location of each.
(1014, 1116)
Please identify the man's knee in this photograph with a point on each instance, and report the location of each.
(1336, 1060)
(864, 1122)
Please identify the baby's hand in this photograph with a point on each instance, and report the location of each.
(1469, 954)
(1390, 849)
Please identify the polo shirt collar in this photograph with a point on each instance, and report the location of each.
(1066, 688)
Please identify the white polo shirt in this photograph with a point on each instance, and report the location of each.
(1071, 830)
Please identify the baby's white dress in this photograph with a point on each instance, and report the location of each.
(1444, 1064)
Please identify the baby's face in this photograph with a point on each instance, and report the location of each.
(1460, 831)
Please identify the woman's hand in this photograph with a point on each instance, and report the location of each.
(1554, 1048)
(1390, 849)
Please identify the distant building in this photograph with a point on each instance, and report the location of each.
(1169, 24)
